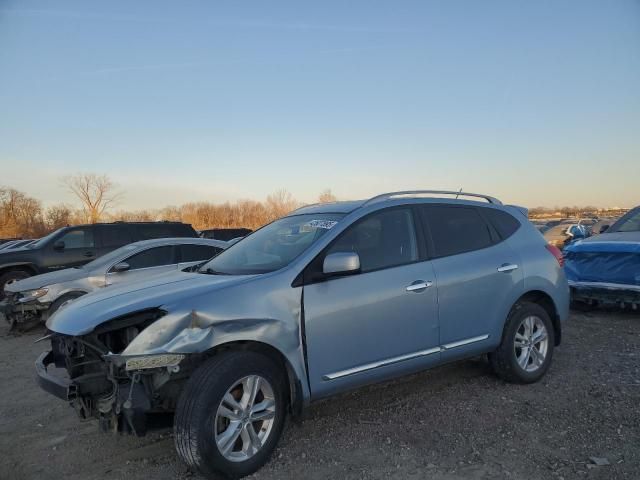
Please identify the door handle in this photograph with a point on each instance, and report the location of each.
(418, 286)
(507, 267)
(89, 254)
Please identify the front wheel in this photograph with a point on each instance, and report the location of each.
(524, 355)
(231, 414)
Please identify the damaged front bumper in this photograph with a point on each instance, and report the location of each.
(120, 391)
(60, 387)
(18, 312)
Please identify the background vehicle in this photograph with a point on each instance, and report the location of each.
(606, 268)
(40, 296)
(15, 244)
(331, 297)
(225, 234)
(563, 234)
(77, 245)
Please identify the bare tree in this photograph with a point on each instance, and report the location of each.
(58, 216)
(20, 215)
(96, 192)
(326, 196)
(279, 204)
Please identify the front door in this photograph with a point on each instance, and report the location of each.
(75, 247)
(377, 323)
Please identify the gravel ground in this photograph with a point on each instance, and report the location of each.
(453, 422)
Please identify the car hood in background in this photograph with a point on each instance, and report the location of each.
(84, 314)
(39, 281)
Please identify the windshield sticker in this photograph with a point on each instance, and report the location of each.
(326, 224)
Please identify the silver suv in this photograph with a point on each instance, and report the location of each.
(328, 298)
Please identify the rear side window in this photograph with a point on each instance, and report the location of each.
(194, 253)
(382, 240)
(152, 257)
(456, 229)
(503, 222)
(115, 235)
(148, 232)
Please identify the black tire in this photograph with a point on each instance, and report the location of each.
(194, 421)
(11, 276)
(504, 361)
(55, 306)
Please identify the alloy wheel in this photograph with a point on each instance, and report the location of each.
(245, 418)
(531, 343)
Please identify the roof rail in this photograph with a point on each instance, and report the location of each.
(417, 193)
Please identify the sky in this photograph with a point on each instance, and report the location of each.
(537, 103)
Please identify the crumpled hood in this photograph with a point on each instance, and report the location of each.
(84, 314)
(39, 281)
(619, 242)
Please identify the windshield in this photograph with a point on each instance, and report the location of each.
(628, 223)
(44, 240)
(273, 246)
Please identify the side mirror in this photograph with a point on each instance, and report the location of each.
(604, 228)
(59, 245)
(121, 267)
(341, 263)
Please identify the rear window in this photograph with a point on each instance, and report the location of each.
(456, 229)
(503, 222)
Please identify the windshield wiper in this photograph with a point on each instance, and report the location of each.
(211, 271)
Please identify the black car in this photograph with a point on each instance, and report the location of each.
(225, 234)
(77, 245)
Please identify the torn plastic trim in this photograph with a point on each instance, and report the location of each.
(605, 285)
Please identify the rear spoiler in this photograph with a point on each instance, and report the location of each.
(522, 210)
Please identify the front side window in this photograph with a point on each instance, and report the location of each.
(274, 246)
(79, 238)
(194, 253)
(381, 240)
(456, 229)
(628, 223)
(153, 257)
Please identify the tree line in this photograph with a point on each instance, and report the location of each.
(22, 216)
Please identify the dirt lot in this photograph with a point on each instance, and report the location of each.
(453, 422)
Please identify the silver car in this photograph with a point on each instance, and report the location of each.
(35, 298)
(328, 298)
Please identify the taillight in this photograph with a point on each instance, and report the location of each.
(556, 252)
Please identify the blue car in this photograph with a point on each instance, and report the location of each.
(605, 268)
(329, 298)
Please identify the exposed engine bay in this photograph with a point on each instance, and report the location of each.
(118, 391)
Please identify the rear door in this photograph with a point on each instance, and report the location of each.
(113, 236)
(380, 322)
(477, 273)
(147, 263)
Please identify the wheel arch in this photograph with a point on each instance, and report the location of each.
(295, 397)
(23, 266)
(545, 301)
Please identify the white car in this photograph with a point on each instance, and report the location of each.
(35, 299)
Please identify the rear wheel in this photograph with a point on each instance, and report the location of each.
(231, 414)
(525, 354)
(10, 277)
